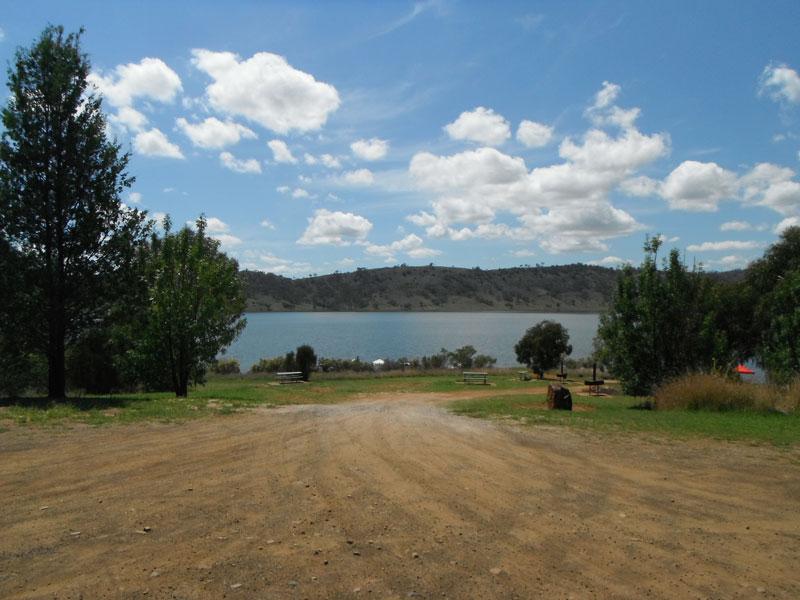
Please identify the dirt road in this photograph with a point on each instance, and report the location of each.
(391, 498)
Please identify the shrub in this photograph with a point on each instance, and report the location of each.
(306, 360)
(268, 365)
(289, 362)
(463, 357)
(484, 361)
(20, 373)
(714, 392)
(226, 366)
(792, 397)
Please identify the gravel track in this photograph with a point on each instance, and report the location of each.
(390, 496)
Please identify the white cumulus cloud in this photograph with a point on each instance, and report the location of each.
(564, 206)
(358, 177)
(533, 134)
(411, 245)
(610, 261)
(335, 228)
(216, 225)
(330, 161)
(129, 118)
(781, 83)
(213, 133)
(723, 246)
(226, 239)
(641, 186)
(267, 90)
(371, 149)
(150, 78)
(481, 125)
(155, 143)
(239, 165)
(735, 226)
(270, 263)
(786, 223)
(699, 187)
(281, 152)
(523, 253)
(219, 230)
(772, 186)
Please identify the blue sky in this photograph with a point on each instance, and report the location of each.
(325, 136)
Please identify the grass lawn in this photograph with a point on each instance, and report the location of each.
(229, 393)
(614, 414)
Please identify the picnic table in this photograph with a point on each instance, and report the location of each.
(289, 377)
(475, 377)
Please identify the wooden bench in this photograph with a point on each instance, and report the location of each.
(289, 377)
(473, 377)
(594, 386)
(524, 375)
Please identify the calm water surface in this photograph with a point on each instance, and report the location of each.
(394, 335)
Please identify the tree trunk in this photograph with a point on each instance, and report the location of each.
(56, 370)
(182, 391)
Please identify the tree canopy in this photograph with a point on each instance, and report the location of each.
(64, 231)
(194, 310)
(663, 323)
(543, 345)
(774, 290)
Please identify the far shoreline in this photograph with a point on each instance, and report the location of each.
(453, 311)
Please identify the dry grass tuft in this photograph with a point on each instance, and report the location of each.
(713, 392)
(791, 400)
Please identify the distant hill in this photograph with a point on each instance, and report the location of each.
(564, 288)
(568, 288)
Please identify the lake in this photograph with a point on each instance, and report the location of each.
(372, 335)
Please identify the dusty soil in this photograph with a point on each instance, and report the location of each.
(391, 497)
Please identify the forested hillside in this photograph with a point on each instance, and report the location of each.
(564, 288)
(568, 288)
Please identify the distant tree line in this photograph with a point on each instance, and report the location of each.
(305, 360)
(93, 298)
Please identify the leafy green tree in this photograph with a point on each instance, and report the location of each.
(662, 324)
(774, 287)
(484, 361)
(463, 357)
(196, 304)
(779, 350)
(306, 360)
(61, 220)
(543, 345)
(289, 362)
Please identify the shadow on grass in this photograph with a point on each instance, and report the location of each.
(78, 403)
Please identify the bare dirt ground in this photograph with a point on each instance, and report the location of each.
(391, 497)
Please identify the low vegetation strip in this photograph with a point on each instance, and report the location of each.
(506, 397)
(623, 414)
(225, 394)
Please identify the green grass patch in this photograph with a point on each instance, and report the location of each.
(227, 394)
(615, 414)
